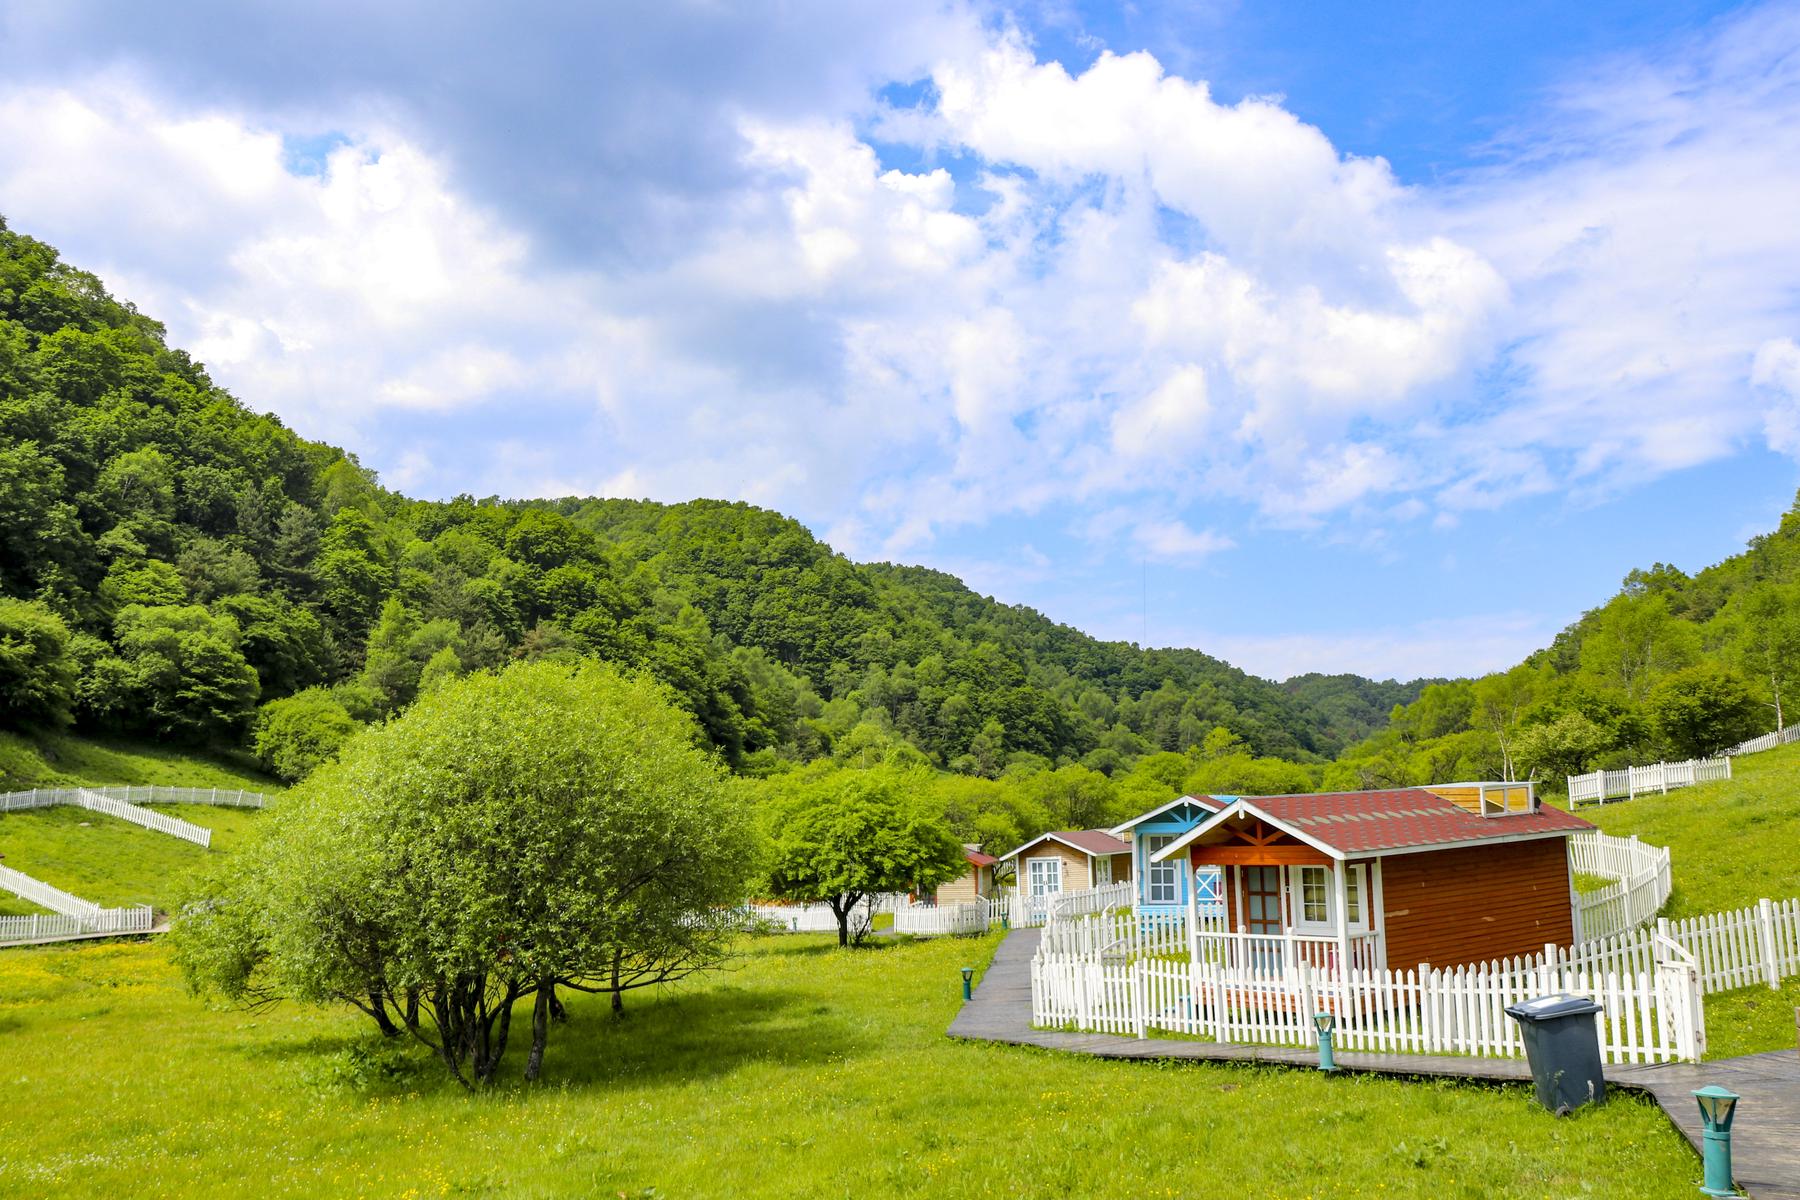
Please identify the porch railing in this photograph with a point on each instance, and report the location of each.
(1273, 955)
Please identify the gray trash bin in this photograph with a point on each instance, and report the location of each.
(1563, 1047)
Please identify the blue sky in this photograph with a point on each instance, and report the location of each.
(1382, 338)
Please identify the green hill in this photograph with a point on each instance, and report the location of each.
(1732, 843)
(176, 562)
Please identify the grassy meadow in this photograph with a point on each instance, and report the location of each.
(802, 1071)
(100, 858)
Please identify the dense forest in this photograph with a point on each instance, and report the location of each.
(175, 565)
(187, 568)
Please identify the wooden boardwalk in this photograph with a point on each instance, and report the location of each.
(159, 927)
(1765, 1143)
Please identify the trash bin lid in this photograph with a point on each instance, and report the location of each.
(1546, 1008)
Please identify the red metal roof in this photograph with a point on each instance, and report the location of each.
(978, 858)
(1404, 818)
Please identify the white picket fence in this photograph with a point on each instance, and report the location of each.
(971, 916)
(1602, 786)
(136, 794)
(73, 915)
(1768, 741)
(818, 917)
(1088, 901)
(1648, 1016)
(1116, 933)
(1642, 880)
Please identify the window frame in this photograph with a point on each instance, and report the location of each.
(1160, 876)
(1032, 875)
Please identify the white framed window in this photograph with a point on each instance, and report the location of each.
(1314, 894)
(1043, 876)
(1313, 897)
(1102, 869)
(1163, 879)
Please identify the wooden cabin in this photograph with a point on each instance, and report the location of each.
(1069, 860)
(977, 883)
(1446, 875)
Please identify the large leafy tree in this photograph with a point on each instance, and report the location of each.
(845, 836)
(37, 672)
(1701, 710)
(551, 825)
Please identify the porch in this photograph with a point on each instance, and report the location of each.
(1263, 904)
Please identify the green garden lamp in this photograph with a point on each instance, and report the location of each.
(968, 974)
(1717, 1108)
(1325, 1022)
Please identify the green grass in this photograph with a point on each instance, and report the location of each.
(1734, 841)
(1753, 1019)
(114, 862)
(805, 1071)
(102, 858)
(53, 759)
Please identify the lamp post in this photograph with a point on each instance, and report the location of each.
(968, 974)
(1717, 1108)
(1325, 1022)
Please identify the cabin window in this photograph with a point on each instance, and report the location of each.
(1163, 878)
(1043, 876)
(1315, 896)
(1102, 870)
(1353, 894)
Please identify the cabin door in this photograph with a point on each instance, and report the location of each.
(1262, 900)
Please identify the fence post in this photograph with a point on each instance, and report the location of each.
(1765, 928)
(1662, 774)
(1140, 997)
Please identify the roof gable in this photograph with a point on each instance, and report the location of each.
(1205, 804)
(1092, 842)
(1349, 824)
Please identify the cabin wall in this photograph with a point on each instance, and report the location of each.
(961, 890)
(1452, 907)
(1075, 874)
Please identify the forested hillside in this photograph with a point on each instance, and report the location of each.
(175, 565)
(1672, 667)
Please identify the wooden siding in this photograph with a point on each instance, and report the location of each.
(1451, 907)
(1074, 870)
(1503, 797)
(1121, 867)
(965, 888)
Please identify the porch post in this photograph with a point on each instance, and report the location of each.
(1343, 916)
(1193, 916)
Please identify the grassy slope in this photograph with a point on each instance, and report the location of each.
(27, 762)
(1734, 842)
(100, 858)
(806, 1071)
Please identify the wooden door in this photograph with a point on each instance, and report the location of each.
(1262, 899)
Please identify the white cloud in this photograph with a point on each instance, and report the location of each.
(1172, 541)
(892, 352)
(1777, 371)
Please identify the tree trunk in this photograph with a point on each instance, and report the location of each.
(378, 1010)
(540, 1029)
(557, 1012)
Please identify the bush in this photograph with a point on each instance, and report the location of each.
(297, 734)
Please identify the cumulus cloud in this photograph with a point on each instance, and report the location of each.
(651, 258)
